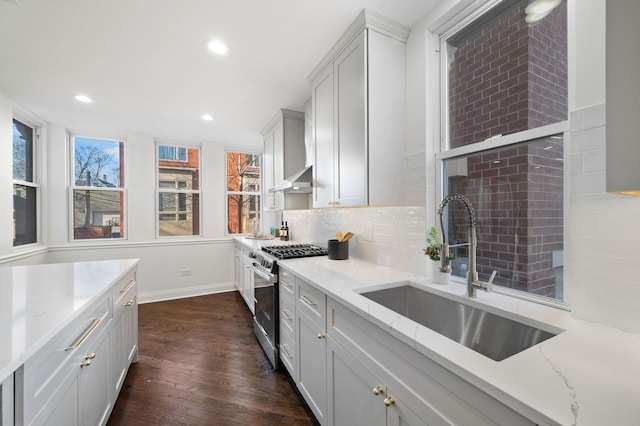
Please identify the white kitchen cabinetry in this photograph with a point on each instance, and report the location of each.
(311, 346)
(243, 275)
(288, 323)
(284, 155)
(125, 328)
(6, 401)
(358, 104)
(421, 392)
(74, 379)
(247, 282)
(69, 381)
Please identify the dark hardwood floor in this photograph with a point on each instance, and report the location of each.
(200, 364)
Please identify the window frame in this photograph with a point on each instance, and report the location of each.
(176, 189)
(227, 193)
(37, 173)
(443, 152)
(73, 187)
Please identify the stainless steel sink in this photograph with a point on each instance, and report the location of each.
(491, 335)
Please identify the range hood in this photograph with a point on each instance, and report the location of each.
(297, 183)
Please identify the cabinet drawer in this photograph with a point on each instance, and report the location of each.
(124, 286)
(287, 284)
(125, 295)
(287, 313)
(288, 352)
(44, 371)
(311, 301)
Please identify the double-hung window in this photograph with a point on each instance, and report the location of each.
(505, 112)
(25, 184)
(98, 190)
(178, 189)
(243, 191)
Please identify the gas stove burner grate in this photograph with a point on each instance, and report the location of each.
(295, 250)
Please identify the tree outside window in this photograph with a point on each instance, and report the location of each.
(178, 190)
(243, 191)
(98, 194)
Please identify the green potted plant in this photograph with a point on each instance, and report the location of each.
(433, 250)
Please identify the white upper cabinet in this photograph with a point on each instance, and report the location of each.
(359, 103)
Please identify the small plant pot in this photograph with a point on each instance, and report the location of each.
(435, 275)
(338, 250)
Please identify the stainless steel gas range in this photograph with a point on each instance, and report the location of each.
(265, 273)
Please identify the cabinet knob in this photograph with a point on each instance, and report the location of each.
(389, 401)
(322, 335)
(92, 355)
(129, 303)
(378, 390)
(85, 363)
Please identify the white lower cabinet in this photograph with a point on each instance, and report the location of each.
(76, 377)
(351, 372)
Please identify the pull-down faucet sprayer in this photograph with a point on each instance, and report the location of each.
(472, 276)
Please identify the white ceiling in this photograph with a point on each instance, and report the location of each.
(145, 64)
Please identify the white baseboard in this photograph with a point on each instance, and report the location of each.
(181, 293)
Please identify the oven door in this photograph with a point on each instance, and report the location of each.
(265, 321)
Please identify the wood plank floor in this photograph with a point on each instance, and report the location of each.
(200, 364)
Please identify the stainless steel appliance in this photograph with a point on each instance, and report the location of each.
(265, 275)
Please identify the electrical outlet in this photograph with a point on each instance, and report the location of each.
(185, 272)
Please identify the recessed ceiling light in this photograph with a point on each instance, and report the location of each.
(217, 47)
(84, 99)
(538, 9)
(207, 117)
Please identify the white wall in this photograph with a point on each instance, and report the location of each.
(208, 259)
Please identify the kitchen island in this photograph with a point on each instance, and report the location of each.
(63, 330)
(587, 374)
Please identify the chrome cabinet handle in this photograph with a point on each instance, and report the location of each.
(307, 300)
(286, 284)
(286, 315)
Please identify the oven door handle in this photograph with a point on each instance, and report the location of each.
(272, 278)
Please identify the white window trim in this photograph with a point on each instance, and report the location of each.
(459, 22)
(177, 190)
(72, 187)
(227, 192)
(38, 174)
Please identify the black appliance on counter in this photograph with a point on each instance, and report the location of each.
(265, 275)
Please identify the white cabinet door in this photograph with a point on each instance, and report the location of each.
(247, 283)
(269, 176)
(95, 396)
(312, 364)
(350, 136)
(355, 395)
(323, 194)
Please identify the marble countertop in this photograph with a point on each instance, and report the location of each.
(587, 375)
(38, 301)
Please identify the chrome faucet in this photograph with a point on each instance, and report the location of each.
(472, 276)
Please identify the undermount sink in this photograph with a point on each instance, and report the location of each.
(491, 335)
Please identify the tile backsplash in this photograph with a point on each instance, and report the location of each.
(604, 232)
(391, 236)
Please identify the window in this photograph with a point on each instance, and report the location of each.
(507, 105)
(25, 187)
(243, 191)
(178, 191)
(98, 188)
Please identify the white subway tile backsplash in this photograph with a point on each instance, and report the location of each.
(383, 235)
(588, 140)
(604, 232)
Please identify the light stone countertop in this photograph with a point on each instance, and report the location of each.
(38, 301)
(587, 375)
